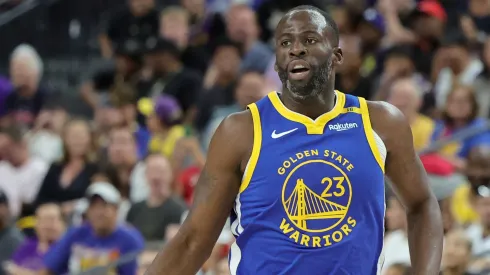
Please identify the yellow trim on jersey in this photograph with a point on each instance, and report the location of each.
(313, 127)
(351, 110)
(257, 144)
(368, 129)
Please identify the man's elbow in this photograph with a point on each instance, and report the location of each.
(427, 203)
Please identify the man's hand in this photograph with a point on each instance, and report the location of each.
(403, 167)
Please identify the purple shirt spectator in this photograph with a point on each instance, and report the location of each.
(5, 89)
(28, 255)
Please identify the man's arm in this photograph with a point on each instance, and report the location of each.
(216, 190)
(403, 167)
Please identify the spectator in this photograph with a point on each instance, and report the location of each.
(242, 27)
(133, 26)
(478, 172)
(163, 119)
(122, 154)
(20, 168)
(44, 139)
(174, 25)
(406, 95)
(219, 81)
(482, 83)
(456, 253)
(459, 67)
(99, 242)
(49, 229)
(170, 75)
(153, 216)
(395, 248)
(10, 236)
(68, 180)
(459, 114)
(28, 98)
(475, 232)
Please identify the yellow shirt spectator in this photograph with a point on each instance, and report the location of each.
(166, 145)
(461, 206)
(422, 129)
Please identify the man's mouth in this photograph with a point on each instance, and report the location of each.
(299, 70)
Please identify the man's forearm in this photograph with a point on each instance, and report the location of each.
(425, 236)
(179, 257)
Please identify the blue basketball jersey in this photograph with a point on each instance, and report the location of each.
(312, 196)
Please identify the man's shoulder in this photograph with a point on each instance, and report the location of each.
(130, 236)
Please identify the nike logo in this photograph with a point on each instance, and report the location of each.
(278, 135)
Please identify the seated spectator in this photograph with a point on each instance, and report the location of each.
(28, 98)
(99, 242)
(170, 76)
(21, 174)
(123, 155)
(460, 114)
(242, 27)
(163, 118)
(395, 249)
(174, 25)
(406, 95)
(49, 228)
(10, 237)
(161, 209)
(456, 253)
(478, 172)
(68, 180)
(482, 83)
(45, 140)
(476, 232)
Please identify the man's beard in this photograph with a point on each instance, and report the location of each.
(315, 84)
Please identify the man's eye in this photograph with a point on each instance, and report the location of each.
(311, 41)
(285, 43)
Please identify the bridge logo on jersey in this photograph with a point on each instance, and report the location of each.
(316, 197)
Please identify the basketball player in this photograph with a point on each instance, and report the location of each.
(303, 174)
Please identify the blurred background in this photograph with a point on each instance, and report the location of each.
(107, 108)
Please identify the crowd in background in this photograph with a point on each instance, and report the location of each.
(77, 193)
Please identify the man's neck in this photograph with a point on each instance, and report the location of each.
(313, 106)
(21, 160)
(155, 201)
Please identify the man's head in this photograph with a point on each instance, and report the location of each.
(478, 167)
(457, 250)
(227, 57)
(161, 113)
(241, 24)
(456, 51)
(49, 222)
(122, 147)
(162, 55)
(159, 175)
(307, 51)
(250, 88)
(141, 7)
(13, 146)
(26, 68)
(103, 209)
(398, 62)
(406, 95)
(174, 25)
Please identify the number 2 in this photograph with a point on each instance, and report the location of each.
(340, 188)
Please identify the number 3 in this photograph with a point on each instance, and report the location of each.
(340, 188)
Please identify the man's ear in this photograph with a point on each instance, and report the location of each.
(338, 56)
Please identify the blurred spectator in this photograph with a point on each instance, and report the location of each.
(162, 118)
(406, 95)
(219, 81)
(5, 89)
(21, 174)
(28, 98)
(458, 66)
(459, 114)
(174, 25)
(242, 27)
(250, 88)
(482, 83)
(395, 249)
(122, 154)
(170, 77)
(10, 236)
(152, 217)
(44, 139)
(476, 231)
(49, 228)
(99, 242)
(186, 183)
(133, 26)
(106, 82)
(371, 29)
(68, 180)
(456, 253)
(478, 173)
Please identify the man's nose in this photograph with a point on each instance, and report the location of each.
(297, 50)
